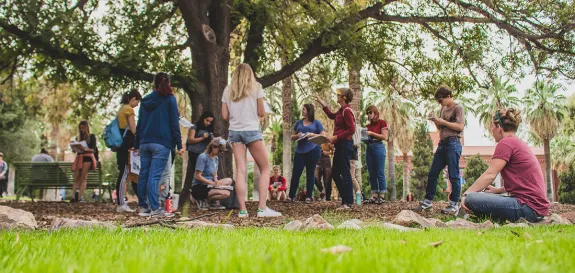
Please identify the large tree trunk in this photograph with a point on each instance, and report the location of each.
(405, 177)
(287, 128)
(391, 168)
(354, 68)
(548, 170)
(54, 137)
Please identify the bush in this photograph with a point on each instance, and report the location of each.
(567, 188)
(476, 166)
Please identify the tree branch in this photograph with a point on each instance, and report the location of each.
(83, 62)
(258, 20)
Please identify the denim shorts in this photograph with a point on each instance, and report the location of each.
(245, 137)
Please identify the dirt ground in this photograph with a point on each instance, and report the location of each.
(46, 212)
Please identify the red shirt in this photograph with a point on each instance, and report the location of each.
(377, 127)
(281, 179)
(344, 122)
(522, 175)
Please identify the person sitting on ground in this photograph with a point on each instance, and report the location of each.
(277, 188)
(522, 174)
(206, 178)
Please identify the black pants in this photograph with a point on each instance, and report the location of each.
(323, 176)
(190, 172)
(308, 161)
(122, 155)
(3, 186)
(341, 171)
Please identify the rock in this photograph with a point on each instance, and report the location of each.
(408, 218)
(202, 224)
(16, 218)
(293, 225)
(349, 225)
(555, 219)
(569, 216)
(355, 221)
(74, 223)
(522, 225)
(437, 223)
(496, 225)
(316, 222)
(397, 227)
(487, 224)
(460, 223)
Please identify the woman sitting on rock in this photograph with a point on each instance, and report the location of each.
(521, 172)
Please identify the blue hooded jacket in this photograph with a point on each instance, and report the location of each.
(158, 122)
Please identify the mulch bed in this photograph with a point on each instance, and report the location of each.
(46, 212)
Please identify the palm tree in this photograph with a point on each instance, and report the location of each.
(499, 95)
(405, 143)
(546, 108)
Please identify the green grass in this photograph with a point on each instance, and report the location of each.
(271, 250)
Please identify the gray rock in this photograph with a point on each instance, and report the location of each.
(408, 218)
(437, 223)
(16, 219)
(316, 222)
(555, 219)
(293, 225)
(522, 225)
(487, 224)
(461, 224)
(349, 225)
(397, 227)
(75, 223)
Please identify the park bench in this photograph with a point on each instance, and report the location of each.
(51, 175)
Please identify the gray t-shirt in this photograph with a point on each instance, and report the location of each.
(207, 166)
(451, 114)
(42, 158)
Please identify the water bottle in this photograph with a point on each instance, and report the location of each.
(169, 204)
(358, 198)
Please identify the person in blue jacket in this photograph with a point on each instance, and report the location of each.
(157, 135)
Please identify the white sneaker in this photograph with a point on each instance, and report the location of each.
(243, 214)
(124, 208)
(161, 213)
(144, 212)
(267, 212)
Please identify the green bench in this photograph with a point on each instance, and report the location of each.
(52, 175)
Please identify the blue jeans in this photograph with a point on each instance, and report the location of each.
(154, 158)
(447, 154)
(499, 208)
(165, 179)
(341, 171)
(245, 137)
(309, 161)
(375, 160)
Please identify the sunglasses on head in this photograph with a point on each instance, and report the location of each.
(369, 112)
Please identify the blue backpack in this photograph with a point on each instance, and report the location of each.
(112, 135)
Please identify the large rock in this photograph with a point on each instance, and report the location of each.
(436, 222)
(569, 216)
(521, 225)
(461, 224)
(293, 225)
(555, 219)
(408, 218)
(397, 227)
(316, 222)
(75, 223)
(202, 224)
(16, 218)
(487, 224)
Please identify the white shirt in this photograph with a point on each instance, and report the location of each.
(244, 113)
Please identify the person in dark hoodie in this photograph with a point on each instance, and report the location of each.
(157, 133)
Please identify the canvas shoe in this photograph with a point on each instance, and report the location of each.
(451, 210)
(422, 206)
(216, 206)
(161, 213)
(267, 212)
(243, 214)
(144, 212)
(202, 204)
(124, 208)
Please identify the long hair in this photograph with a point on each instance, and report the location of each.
(200, 122)
(162, 84)
(214, 142)
(243, 82)
(310, 112)
(86, 136)
(374, 110)
(134, 93)
(508, 119)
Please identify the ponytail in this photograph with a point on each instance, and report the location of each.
(134, 93)
(162, 84)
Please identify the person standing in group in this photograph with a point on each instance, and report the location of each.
(84, 162)
(3, 176)
(157, 133)
(127, 124)
(450, 125)
(278, 185)
(375, 155)
(242, 106)
(344, 128)
(307, 153)
(198, 139)
(323, 171)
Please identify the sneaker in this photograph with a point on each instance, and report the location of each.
(145, 212)
(161, 213)
(202, 204)
(343, 207)
(216, 206)
(82, 200)
(452, 210)
(124, 208)
(267, 212)
(243, 214)
(422, 206)
(380, 200)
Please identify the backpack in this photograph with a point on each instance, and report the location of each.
(357, 134)
(112, 135)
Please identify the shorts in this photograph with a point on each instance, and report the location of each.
(245, 137)
(200, 191)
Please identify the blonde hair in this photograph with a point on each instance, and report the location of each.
(508, 119)
(243, 82)
(276, 168)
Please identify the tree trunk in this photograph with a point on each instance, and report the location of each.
(391, 169)
(54, 135)
(548, 170)
(354, 68)
(405, 177)
(287, 128)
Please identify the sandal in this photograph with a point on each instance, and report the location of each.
(372, 200)
(380, 200)
(308, 201)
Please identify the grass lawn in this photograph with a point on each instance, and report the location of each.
(540, 249)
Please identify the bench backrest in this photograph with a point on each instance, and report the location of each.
(51, 174)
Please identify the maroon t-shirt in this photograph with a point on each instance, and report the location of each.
(377, 127)
(522, 175)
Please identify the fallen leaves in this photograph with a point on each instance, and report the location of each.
(338, 249)
(436, 244)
